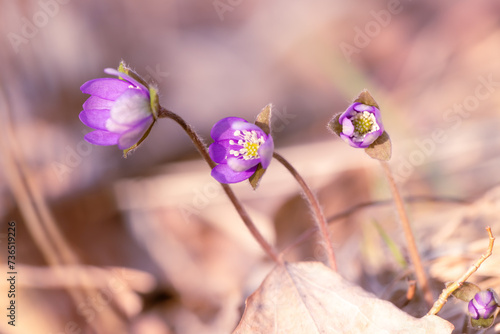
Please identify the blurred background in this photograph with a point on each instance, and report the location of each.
(150, 244)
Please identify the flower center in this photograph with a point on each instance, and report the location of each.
(364, 123)
(252, 149)
(249, 142)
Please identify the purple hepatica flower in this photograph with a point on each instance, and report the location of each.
(119, 110)
(238, 149)
(483, 305)
(361, 125)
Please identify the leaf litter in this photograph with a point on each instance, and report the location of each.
(308, 297)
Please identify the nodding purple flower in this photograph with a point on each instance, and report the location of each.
(361, 125)
(238, 149)
(483, 305)
(119, 109)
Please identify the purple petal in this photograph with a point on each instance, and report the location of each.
(223, 128)
(347, 127)
(248, 126)
(342, 117)
(240, 165)
(363, 107)
(370, 138)
(106, 88)
(378, 119)
(349, 141)
(472, 311)
(266, 151)
(483, 297)
(95, 119)
(114, 127)
(218, 151)
(131, 137)
(348, 113)
(224, 174)
(131, 107)
(95, 102)
(100, 137)
(127, 77)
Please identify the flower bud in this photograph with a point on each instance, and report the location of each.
(483, 305)
(122, 110)
(361, 126)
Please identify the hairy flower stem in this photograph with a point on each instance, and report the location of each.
(197, 141)
(410, 239)
(318, 213)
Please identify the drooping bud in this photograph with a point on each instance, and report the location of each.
(483, 308)
(122, 110)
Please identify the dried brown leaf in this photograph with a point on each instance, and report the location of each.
(263, 120)
(334, 125)
(255, 178)
(308, 297)
(380, 149)
(465, 292)
(366, 98)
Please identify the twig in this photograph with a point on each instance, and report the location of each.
(318, 213)
(410, 239)
(455, 285)
(198, 143)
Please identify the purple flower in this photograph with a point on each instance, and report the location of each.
(238, 149)
(483, 305)
(361, 125)
(119, 109)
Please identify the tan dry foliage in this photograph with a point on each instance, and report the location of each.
(307, 297)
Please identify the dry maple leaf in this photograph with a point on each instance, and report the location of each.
(308, 297)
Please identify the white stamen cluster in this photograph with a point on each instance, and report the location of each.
(364, 123)
(250, 142)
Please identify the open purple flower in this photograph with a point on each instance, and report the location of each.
(361, 125)
(238, 149)
(121, 110)
(483, 305)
